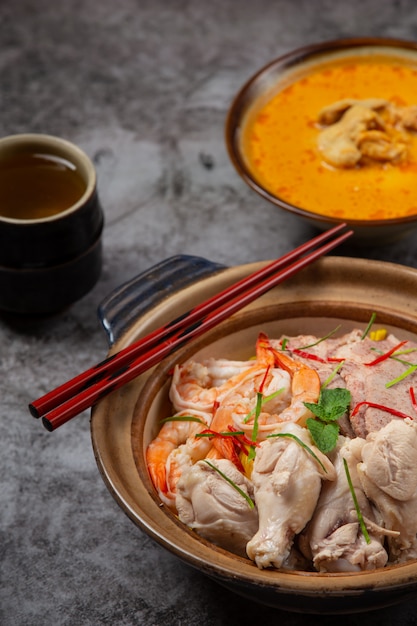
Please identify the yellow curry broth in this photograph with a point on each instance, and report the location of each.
(280, 143)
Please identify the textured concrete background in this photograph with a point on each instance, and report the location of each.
(143, 86)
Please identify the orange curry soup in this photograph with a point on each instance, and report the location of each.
(279, 140)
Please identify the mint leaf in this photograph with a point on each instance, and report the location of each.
(324, 435)
(332, 404)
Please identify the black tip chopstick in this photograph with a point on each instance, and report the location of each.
(83, 391)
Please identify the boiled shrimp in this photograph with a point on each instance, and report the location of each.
(305, 384)
(238, 406)
(176, 447)
(227, 405)
(179, 437)
(305, 387)
(196, 386)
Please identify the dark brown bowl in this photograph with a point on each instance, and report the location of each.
(277, 75)
(334, 290)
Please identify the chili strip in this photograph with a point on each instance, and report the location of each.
(379, 406)
(307, 355)
(386, 355)
(413, 398)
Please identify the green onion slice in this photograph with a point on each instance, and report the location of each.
(233, 484)
(368, 328)
(182, 418)
(302, 444)
(264, 400)
(406, 373)
(259, 402)
(332, 374)
(332, 332)
(356, 503)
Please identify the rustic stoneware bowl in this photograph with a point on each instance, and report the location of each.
(280, 74)
(49, 262)
(333, 290)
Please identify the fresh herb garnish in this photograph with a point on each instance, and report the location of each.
(258, 407)
(302, 444)
(332, 332)
(368, 328)
(356, 503)
(333, 374)
(233, 484)
(264, 400)
(324, 428)
(406, 373)
(182, 418)
(226, 433)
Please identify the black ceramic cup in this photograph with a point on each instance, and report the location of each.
(51, 223)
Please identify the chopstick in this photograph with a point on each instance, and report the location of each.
(65, 402)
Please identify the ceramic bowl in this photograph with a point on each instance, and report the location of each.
(334, 290)
(49, 262)
(281, 74)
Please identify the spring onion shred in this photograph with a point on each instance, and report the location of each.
(259, 402)
(332, 332)
(368, 328)
(406, 373)
(233, 484)
(182, 418)
(264, 400)
(355, 501)
(226, 433)
(302, 444)
(332, 374)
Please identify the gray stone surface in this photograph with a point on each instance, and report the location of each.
(143, 87)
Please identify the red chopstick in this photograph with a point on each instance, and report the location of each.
(66, 391)
(83, 391)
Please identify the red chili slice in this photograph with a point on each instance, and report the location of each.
(261, 386)
(308, 355)
(386, 355)
(413, 398)
(379, 406)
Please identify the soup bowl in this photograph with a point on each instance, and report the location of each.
(277, 135)
(335, 290)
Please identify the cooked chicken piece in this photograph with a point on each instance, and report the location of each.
(287, 482)
(404, 117)
(389, 478)
(211, 506)
(377, 145)
(373, 129)
(333, 538)
(332, 113)
(338, 143)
